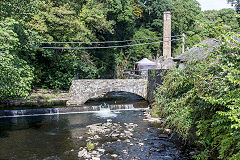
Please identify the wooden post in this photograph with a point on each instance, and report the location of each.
(167, 35)
(183, 43)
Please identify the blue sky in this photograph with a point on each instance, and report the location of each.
(214, 4)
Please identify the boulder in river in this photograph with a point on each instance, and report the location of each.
(82, 153)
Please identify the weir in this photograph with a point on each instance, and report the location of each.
(72, 110)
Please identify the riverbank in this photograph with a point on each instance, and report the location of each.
(203, 100)
(39, 98)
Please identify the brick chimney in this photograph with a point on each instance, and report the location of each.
(167, 35)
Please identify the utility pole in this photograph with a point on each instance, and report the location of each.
(183, 42)
(167, 35)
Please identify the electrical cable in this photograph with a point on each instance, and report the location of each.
(107, 41)
(123, 46)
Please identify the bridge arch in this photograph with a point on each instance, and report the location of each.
(82, 90)
(109, 90)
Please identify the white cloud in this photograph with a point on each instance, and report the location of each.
(214, 4)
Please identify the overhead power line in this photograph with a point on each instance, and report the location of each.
(123, 46)
(107, 41)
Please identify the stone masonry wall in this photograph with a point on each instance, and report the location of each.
(84, 89)
(155, 79)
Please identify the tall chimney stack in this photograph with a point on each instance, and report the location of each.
(167, 35)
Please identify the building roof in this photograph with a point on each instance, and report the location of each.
(145, 61)
(199, 52)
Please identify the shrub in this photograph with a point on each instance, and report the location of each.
(205, 97)
(15, 77)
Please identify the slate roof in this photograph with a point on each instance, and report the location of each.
(199, 52)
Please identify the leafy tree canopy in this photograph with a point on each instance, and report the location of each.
(36, 21)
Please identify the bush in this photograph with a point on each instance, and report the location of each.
(15, 77)
(205, 97)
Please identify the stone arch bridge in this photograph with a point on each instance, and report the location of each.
(84, 89)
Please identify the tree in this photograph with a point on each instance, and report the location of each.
(184, 15)
(55, 21)
(143, 51)
(97, 20)
(184, 20)
(135, 53)
(227, 16)
(235, 3)
(16, 76)
(152, 16)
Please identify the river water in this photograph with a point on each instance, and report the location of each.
(61, 136)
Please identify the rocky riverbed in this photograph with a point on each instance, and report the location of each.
(111, 140)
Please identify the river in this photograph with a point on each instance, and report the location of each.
(121, 133)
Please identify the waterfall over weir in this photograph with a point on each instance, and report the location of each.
(105, 111)
(102, 110)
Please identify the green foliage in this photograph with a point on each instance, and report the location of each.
(205, 97)
(235, 3)
(205, 25)
(16, 75)
(184, 20)
(90, 146)
(133, 54)
(184, 15)
(36, 21)
(136, 10)
(61, 22)
(139, 52)
(224, 18)
(67, 21)
(153, 13)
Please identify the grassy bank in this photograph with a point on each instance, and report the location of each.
(39, 98)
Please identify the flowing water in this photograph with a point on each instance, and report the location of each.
(63, 132)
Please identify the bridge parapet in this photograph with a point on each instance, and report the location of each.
(84, 89)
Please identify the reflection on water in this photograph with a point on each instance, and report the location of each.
(116, 98)
(59, 136)
(29, 137)
(42, 136)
